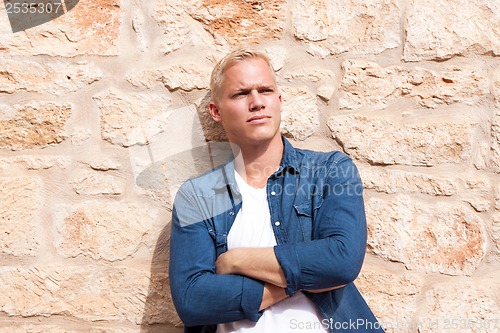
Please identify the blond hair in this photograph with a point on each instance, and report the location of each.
(217, 77)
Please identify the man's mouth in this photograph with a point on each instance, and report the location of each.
(258, 119)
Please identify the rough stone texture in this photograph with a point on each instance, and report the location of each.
(103, 164)
(495, 142)
(237, 22)
(86, 292)
(433, 34)
(95, 183)
(92, 27)
(452, 236)
(367, 27)
(104, 230)
(393, 297)
(55, 78)
(497, 196)
(443, 310)
(496, 85)
(37, 328)
(495, 231)
(432, 141)
(367, 84)
(178, 28)
(300, 116)
(183, 76)
(20, 203)
(223, 22)
(132, 119)
(34, 125)
(34, 162)
(469, 187)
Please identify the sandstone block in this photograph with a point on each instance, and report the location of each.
(134, 118)
(33, 162)
(183, 76)
(178, 28)
(140, 25)
(300, 116)
(55, 78)
(392, 181)
(367, 27)
(429, 237)
(408, 139)
(34, 125)
(277, 55)
(496, 85)
(433, 34)
(367, 84)
(109, 231)
(103, 164)
(96, 183)
(392, 296)
(444, 308)
(497, 196)
(495, 231)
(237, 22)
(92, 27)
(20, 203)
(495, 142)
(469, 187)
(224, 23)
(91, 293)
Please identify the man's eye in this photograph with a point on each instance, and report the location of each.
(240, 93)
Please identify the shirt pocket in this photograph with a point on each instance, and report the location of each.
(304, 213)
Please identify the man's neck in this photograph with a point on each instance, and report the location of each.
(255, 163)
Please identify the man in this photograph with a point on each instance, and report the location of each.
(272, 240)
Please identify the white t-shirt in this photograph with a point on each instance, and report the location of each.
(252, 228)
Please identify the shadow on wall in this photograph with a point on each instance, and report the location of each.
(161, 179)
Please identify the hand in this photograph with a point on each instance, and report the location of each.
(225, 263)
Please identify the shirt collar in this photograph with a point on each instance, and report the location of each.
(289, 161)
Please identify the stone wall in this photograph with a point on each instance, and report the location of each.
(103, 114)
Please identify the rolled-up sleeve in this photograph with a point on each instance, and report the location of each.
(335, 255)
(202, 297)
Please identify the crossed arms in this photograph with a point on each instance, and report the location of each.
(243, 281)
(260, 264)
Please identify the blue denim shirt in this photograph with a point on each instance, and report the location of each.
(318, 219)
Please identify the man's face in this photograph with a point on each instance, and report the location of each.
(249, 104)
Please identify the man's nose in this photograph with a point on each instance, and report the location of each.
(256, 101)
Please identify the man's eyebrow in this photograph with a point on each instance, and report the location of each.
(240, 90)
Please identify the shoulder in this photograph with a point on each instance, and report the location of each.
(311, 158)
(203, 185)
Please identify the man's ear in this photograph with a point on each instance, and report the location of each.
(214, 112)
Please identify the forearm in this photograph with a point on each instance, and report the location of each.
(319, 264)
(260, 264)
(257, 263)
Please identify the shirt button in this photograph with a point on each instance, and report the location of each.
(231, 213)
(277, 223)
(273, 193)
